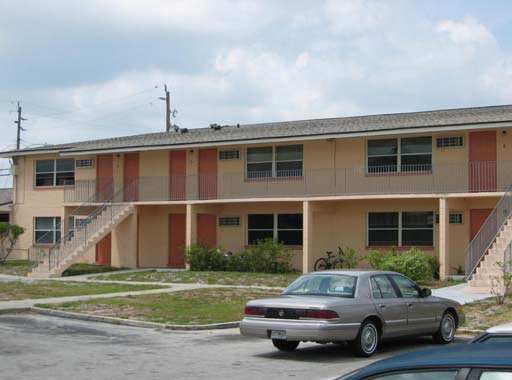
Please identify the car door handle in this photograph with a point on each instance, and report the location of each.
(382, 306)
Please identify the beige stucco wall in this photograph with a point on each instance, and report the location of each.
(31, 202)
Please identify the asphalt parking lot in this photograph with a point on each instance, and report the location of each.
(40, 347)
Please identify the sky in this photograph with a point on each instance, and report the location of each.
(92, 69)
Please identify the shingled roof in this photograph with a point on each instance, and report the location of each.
(294, 129)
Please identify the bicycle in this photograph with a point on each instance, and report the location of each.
(331, 262)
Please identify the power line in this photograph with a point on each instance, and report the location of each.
(78, 109)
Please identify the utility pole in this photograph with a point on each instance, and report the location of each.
(19, 129)
(168, 112)
(167, 109)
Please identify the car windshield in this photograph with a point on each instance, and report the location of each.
(338, 285)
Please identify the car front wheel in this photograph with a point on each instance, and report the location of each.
(367, 340)
(285, 345)
(446, 332)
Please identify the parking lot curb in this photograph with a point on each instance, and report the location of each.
(131, 322)
(11, 310)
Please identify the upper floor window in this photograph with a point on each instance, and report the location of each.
(58, 172)
(275, 161)
(402, 155)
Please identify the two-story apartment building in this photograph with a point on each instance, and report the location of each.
(424, 179)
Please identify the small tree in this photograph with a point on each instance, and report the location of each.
(501, 283)
(9, 235)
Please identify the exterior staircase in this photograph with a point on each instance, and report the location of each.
(488, 273)
(490, 246)
(52, 261)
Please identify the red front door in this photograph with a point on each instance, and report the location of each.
(178, 174)
(207, 173)
(105, 176)
(207, 229)
(482, 161)
(104, 251)
(131, 177)
(478, 216)
(176, 241)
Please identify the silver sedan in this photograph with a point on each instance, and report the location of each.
(356, 306)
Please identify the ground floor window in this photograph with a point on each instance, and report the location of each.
(286, 228)
(47, 230)
(411, 228)
(4, 218)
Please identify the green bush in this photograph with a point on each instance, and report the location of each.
(267, 256)
(413, 263)
(202, 258)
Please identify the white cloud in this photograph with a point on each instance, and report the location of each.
(497, 80)
(194, 15)
(354, 16)
(468, 31)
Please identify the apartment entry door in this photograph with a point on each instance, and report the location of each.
(104, 176)
(478, 216)
(207, 173)
(176, 241)
(482, 161)
(131, 177)
(104, 251)
(207, 229)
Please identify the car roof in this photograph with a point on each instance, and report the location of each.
(504, 328)
(456, 355)
(353, 272)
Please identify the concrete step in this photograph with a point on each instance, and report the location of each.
(477, 290)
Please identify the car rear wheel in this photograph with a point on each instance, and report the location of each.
(285, 345)
(367, 339)
(447, 328)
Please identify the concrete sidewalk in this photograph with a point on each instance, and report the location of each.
(456, 293)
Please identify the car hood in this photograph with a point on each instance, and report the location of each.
(301, 302)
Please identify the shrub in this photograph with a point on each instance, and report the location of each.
(202, 257)
(267, 256)
(349, 258)
(9, 235)
(413, 263)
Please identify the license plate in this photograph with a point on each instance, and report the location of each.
(278, 334)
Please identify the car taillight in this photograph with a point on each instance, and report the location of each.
(253, 310)
(321, 314)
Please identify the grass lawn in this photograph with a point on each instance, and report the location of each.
(17, 290)
(15, 267)
(481, 315)
(181, 308)
(217, 278)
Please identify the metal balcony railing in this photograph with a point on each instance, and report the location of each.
(376, 180)
(487, 233)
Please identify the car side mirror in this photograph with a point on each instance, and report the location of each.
(426, 292)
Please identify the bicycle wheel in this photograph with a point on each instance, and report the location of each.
(337, 264)
(321, 264)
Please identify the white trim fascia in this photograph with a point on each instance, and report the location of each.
(239, 142)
